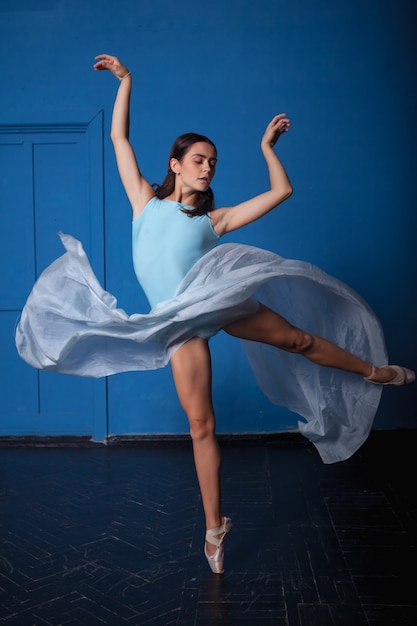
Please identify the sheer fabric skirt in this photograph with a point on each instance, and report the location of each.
(71, 325)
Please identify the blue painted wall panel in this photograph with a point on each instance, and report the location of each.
(46, 185)
(16, 209)
(344, 72)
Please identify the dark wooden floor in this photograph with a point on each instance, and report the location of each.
(114, 535)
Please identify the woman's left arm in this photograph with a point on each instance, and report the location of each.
(231, 218)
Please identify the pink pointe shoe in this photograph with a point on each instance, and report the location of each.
(216, 537)
(403, 376)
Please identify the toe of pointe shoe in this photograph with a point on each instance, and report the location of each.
(404, 376)
(216, 560)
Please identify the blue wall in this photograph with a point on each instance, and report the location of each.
(345, 73)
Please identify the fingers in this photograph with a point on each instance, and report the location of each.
(105, 57)
(277, 126)
(111, 63)
(280, 123)
(106, 62)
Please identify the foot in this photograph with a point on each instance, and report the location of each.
(391, 375)
(214, 546)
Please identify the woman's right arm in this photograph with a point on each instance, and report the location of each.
(137, 188)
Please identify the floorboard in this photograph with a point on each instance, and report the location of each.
(94, 535)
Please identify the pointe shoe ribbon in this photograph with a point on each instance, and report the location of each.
(216, 537)
(403, 376)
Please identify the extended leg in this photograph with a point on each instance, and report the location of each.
(267, 326)
(191, 367)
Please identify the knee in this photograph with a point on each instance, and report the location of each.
(300, 342)
(201, 428)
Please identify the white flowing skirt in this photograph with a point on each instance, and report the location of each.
(71, 325)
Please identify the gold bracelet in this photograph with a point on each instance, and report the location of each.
(125, 76)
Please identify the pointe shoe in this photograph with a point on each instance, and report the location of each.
(403, 376)
(216, 537)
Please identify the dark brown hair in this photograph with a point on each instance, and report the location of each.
(205, 199)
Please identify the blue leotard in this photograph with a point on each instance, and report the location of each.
(166, 243)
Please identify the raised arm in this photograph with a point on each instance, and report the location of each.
(137, 188)
(228, 219)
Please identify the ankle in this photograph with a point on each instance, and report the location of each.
(214, 522)
(371, 373)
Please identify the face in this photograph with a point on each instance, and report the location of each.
(197, 167)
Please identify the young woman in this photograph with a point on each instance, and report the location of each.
(174, 227)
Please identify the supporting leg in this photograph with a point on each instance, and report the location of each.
(191, 367)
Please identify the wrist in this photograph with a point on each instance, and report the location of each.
(121, 78)
(266, 146)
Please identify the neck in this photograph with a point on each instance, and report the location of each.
(183, 197)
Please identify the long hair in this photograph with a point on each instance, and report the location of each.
(205, 199)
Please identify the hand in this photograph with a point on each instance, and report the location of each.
(279, 125)
(108, 62)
